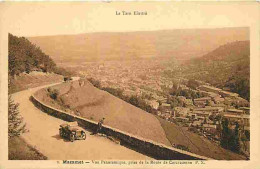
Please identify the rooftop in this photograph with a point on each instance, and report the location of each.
(201, 112)
(202, 99)
(244, 108)
(229, 93)
(207, 108)
(210, 87)
(243, 116)
(235, 110)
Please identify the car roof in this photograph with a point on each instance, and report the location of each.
(74, 123)
(75, 128)
(71, 124)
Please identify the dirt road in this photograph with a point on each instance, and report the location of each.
(44, 135)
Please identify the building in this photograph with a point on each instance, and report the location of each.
(245, 109)
(181, 111)
(188, 103)
(209, 126)
(242, 102)
(202, 99)
(228, 94)
(242, 119)
(236, 101)
(219, 100)
(183, 87)
(210, 109)
(214, 95)
(217, 91)
(167, 115)
(197, 123)
(219, 105)
(182, 119)
(153, 103)
(161, 99)
(235, 111)
(210, 94)
(201, 114)
(229, 101)
(165, 106)
(209, 89)
(181, 98)
(201, 102)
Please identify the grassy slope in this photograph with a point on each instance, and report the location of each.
(20, 150)
(196, 144)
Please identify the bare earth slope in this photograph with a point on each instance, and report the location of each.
(95, 104)
(44, 136)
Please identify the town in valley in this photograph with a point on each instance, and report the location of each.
(194, 105)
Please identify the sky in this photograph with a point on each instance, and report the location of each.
(54, 18)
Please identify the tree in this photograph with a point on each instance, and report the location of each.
(225, 134)
(235, 146)
(207, 103)
(53, 93)
(247, 134)
(174, 90)
(230, 138)
(23, 56)
(15, 121)
(193, 84)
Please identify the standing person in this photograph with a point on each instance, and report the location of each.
(100, 123)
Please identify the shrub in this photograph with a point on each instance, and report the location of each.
(182, 147)
(15, 121)
(53, 93)
(95, 83)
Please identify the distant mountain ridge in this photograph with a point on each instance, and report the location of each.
(180, 44)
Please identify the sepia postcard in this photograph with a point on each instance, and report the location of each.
(137, 84)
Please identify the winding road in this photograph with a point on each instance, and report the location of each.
(44, 136)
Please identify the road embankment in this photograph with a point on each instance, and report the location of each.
(44, 136)
(145, 146)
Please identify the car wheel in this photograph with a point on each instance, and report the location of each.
(61, 133)
(84, 136)
(72, 137)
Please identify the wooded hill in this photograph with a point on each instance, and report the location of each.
(227, 66)
(23, 56)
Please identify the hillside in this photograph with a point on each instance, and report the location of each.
(33, 79)
(23, 56)
(230, 52)
(94, 104)
(226, 66)
(180, 44)
(195, 143)
(29, 66)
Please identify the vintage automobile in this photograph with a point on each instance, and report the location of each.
(72, 131)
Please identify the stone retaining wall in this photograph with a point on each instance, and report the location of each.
(144, 146)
